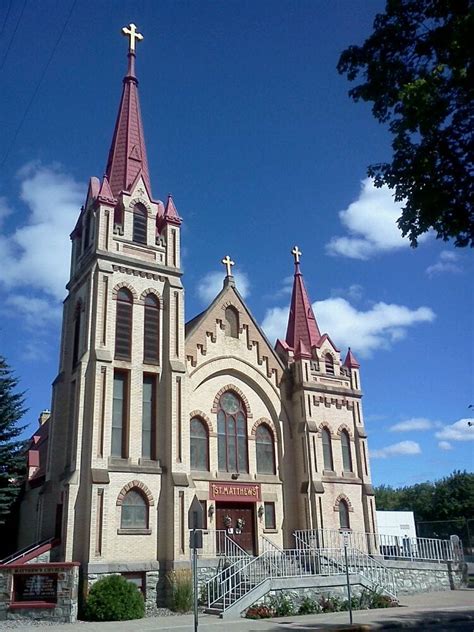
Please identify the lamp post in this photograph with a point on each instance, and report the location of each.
(345, 537)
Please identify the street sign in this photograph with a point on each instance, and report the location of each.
(196, 515)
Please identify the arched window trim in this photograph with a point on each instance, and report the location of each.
(231, 438)
(137, 526)
(231, 316)
(266, 427)
(206, 430)
(343, 510)
(329, 364)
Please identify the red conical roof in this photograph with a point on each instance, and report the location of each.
(127, 155)
(171, 214)
(302, 325)
(351, 362)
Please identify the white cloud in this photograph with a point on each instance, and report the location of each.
(458, 431)
(396, 449)
(36, 254)
(363, 331)
(445, 445)
(371, 222)
(353, 292)
(416, 423)
(34, 312)
(447, 262)
(211, 284)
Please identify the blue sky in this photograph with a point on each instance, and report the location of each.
(250, 127)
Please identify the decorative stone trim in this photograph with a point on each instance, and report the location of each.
(325, 425)
(346, 428)
(135, 485)
(151, 290)
(203, 417)
(338, 500)
(139, 273)
(231, 387)
(122, 284)
(267, 422)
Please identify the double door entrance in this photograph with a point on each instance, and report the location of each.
(239, 522)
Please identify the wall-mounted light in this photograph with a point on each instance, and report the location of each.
(235, 476)
(261, 511)
(210, 511)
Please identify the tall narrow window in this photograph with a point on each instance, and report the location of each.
(151, 330)
(139, 224)
(327, 450)
(77, 334)
(265, 450)
(119, 415)
(123, 325)
(344, 515)
(134, 511)
(149, 417)
(232, 322)
(199, 445)
(329, 363)
(232, 434)
(346, 451)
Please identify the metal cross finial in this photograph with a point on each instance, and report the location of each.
(227, 261)
(132, 33)
(296, 252)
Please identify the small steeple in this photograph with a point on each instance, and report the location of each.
(127, 155)
(302, 325)
(351, 362)
(171, 215)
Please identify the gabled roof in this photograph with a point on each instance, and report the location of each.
(302, 325)
(127, 155)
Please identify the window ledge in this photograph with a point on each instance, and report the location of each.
(270, 531)
(133, 531)
(329, 473)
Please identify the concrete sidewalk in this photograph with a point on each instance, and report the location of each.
(423, 611)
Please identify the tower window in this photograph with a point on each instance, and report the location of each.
(119, 445)
(232, 322)
(346, 451)
(327, 450)
(329, 363)
(139, 224)
(344, 515)
(134, 511)
(151, 330)
(149, 417)
(232, 434)
(77, 334)
(199, 445)
(123, 325)
(265, 450)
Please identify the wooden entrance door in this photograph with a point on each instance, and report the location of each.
(238, 520)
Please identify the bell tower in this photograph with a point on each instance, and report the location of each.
(118, 396)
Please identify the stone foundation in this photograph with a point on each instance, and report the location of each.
(417, 577)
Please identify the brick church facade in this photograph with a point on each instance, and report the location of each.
(149, 411)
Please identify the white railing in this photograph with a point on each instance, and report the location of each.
(390, 546)
(216, 543)
(268, 545)
(237, 580)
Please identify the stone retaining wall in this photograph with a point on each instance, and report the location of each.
(416, 577)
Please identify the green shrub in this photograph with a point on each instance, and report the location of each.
(309, 606)
(330, 604)
(259, 612)
(282, 605)
(113, 598)
(181, 590)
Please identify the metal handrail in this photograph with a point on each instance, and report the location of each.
(27, 549)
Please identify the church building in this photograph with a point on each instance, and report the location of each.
(149, 412)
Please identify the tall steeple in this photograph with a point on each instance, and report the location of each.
(127, 155)
(303, 331)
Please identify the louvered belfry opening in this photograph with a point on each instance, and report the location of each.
(123, 325)
(151, 340)
(139, 224)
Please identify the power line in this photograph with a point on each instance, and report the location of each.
(38, 85)
(13, 35)
(6, 17)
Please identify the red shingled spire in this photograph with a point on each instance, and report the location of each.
(350, 361)
(302, 325)
(127, 155)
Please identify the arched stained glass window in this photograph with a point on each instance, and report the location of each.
(134, 511)
(329, 363)
(199, 445)
(139, 224)
(344, 515)
(265, 450)
(151, 330)
(346, 451)
(123, 324)
(232, 322)
(327, 450)
(232, 434)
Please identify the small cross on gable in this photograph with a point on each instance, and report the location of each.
(296, 252)
(132, 33)
(227, 261)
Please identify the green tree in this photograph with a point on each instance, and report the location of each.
(12, 458)
(417, 70)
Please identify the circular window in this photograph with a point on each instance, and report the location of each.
(230, 404)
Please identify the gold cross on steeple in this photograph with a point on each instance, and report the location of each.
(296, 252)
(227, 261)
(133, 34)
